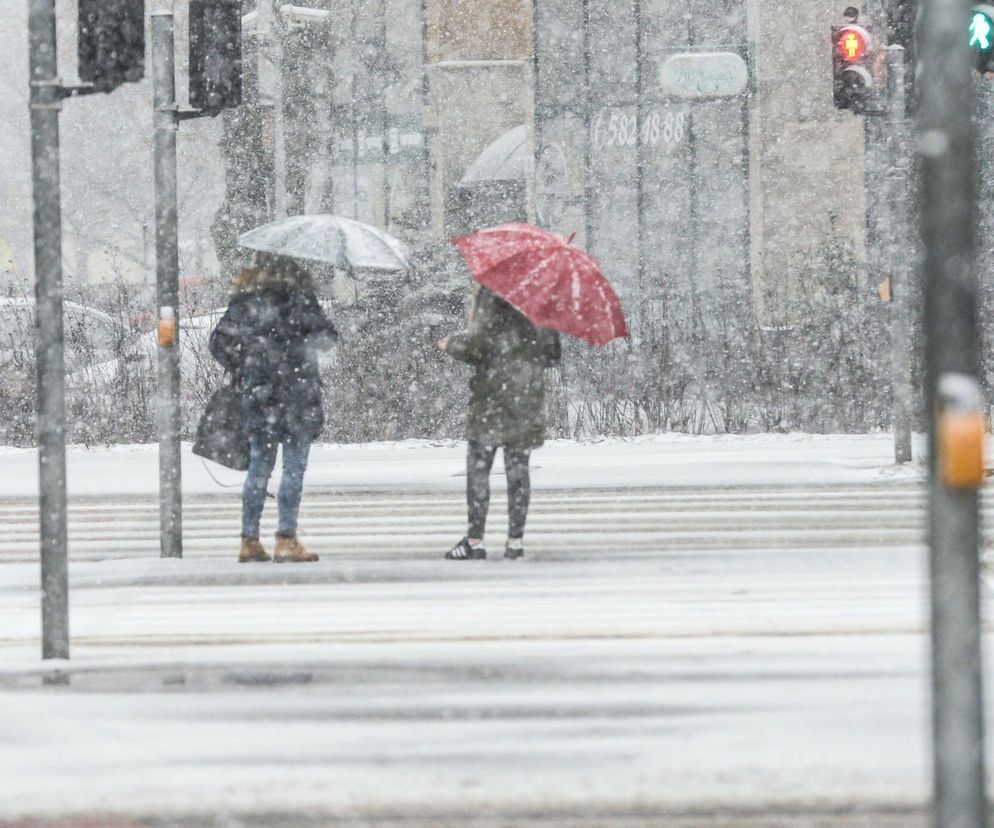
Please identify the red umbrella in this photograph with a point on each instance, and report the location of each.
(545, 277)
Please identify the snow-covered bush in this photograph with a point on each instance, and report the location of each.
(703, 365)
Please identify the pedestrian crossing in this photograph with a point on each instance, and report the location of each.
(576, 524)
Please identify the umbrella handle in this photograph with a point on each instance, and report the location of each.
(571, 237)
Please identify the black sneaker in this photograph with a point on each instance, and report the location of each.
(512, 553)
(462, 551)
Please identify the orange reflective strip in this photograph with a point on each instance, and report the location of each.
(961, 449)
(167, 333)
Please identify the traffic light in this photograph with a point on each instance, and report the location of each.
(111, 44)
(982, 37)
(215, 55)
(852, 46)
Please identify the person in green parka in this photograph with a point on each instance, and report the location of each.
(507, 409)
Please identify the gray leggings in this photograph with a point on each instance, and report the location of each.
(479, 461)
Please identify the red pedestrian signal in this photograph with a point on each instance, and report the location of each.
(852, 45)
(852, 79)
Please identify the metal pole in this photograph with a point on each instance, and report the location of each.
(640, 160)
(270, 68)
(425, 158)
(536, 68)
(589, 184)
(535, 134)
(385, 123)
(354, 108)
(693, 208)
(279, 125)
(900, 255)
(167, 286)
(946, 145)
(46, 94)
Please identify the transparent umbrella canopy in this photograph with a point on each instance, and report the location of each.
(506, 159)
(338, 241)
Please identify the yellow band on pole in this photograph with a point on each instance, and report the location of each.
(167, 327)
(961, 449)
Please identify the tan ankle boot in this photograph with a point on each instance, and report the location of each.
(252, 551)
(290, 550)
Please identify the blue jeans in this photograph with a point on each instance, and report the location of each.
(262, 461)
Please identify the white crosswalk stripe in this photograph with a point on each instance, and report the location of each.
(573, 524)
(764, 561)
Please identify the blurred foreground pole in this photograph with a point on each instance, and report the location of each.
(953, 404)
(46, 97)
(900, 254)
(167, 286)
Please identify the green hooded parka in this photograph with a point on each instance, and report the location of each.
(507, 392)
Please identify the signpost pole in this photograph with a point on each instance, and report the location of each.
(640, 149)
(46, 96)
(279, 121)
(954, 410)
(900, 255)
(167, 286)
(589, 187)
(270, 73)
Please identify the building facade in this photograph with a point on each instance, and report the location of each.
(431, 118)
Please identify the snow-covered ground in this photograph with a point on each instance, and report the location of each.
(730, 680)
(661, 461)
(702, 626)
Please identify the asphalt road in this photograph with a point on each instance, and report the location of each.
(741, 657)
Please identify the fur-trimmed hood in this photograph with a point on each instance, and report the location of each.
(268, 272)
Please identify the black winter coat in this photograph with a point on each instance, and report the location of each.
(268, 340)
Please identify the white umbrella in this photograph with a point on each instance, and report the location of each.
(506, 159)
(338, 241)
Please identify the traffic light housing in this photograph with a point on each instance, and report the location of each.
(981, 33)
(852, 46)
(215, 55)
(111, 46)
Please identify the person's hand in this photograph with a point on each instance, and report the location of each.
(443, 344)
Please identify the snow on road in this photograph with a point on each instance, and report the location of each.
(660, 461)
(666, 647)
(418, 525)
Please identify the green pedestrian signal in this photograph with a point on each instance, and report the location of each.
(980, 32)
(982, 37)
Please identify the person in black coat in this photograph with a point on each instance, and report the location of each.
(268, 340)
